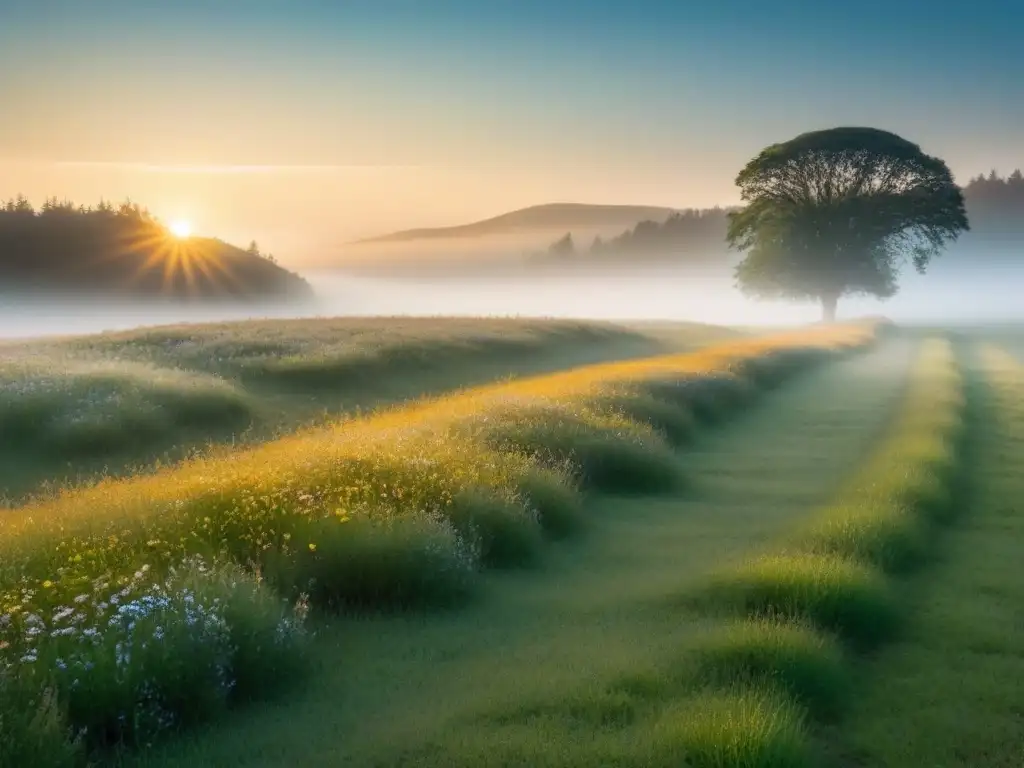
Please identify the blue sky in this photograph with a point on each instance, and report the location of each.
(664, 100)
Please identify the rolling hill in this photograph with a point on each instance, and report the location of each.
(536, 218)
(125, 253)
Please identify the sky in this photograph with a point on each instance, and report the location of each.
(306, 124)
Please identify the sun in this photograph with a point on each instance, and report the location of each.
(180, 228)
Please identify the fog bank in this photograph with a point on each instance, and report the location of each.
(944, 295)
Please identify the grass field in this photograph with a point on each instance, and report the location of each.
(757, 550)
(949, 693)
(75, 408)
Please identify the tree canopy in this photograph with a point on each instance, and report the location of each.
(838, 212)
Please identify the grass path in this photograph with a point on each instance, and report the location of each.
(950, 694)
(388, 687)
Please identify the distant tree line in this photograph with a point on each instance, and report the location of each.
(123, 248)
(995, 205)
(17, 208)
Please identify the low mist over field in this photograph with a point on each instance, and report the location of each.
(944, 295)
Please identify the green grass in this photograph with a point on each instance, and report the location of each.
(833, 576)
(68, 412)
(770, 653)
(949, 693)
(743, 728)
(397, 510)
(885, 518)
(463, 688)
(76, 408)
(605, 452)
(833, 593)
(848, 512)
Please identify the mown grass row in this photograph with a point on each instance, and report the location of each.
(950, 694)
(141, 605)
(783, 661)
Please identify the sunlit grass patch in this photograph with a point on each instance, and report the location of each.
(412, 561)
(733, 728)
(884, 516)
(793, 657)
(833, 593)
(888, 535)
(673, 422)
(606, 452)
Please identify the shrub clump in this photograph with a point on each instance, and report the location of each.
(790, 656)
(376, 563)
(734, 728)
(832, 593)
(606, 452)
(674, 422)
(557, 505)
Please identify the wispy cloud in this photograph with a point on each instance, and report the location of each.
(226, 169)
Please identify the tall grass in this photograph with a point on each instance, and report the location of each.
(74, 410)
(109, 403)
(832, 578)
(741, 727)
(396, 510)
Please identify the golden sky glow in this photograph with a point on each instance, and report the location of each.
(307, 125)
(300, 212)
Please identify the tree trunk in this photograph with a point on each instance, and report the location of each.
(828, 307)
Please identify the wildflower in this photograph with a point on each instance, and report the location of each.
(312, 547)
(63, 613)
(47, 584)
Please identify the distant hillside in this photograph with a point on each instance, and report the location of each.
(124, 251)
(694, 237)
(551, 216)
(995, 207)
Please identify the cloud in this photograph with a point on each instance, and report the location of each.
(226, 169)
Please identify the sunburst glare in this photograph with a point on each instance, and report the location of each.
(180, 228)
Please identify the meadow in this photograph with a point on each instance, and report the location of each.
(75, 408)
(699, 547)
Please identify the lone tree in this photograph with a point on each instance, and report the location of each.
(838, 212)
